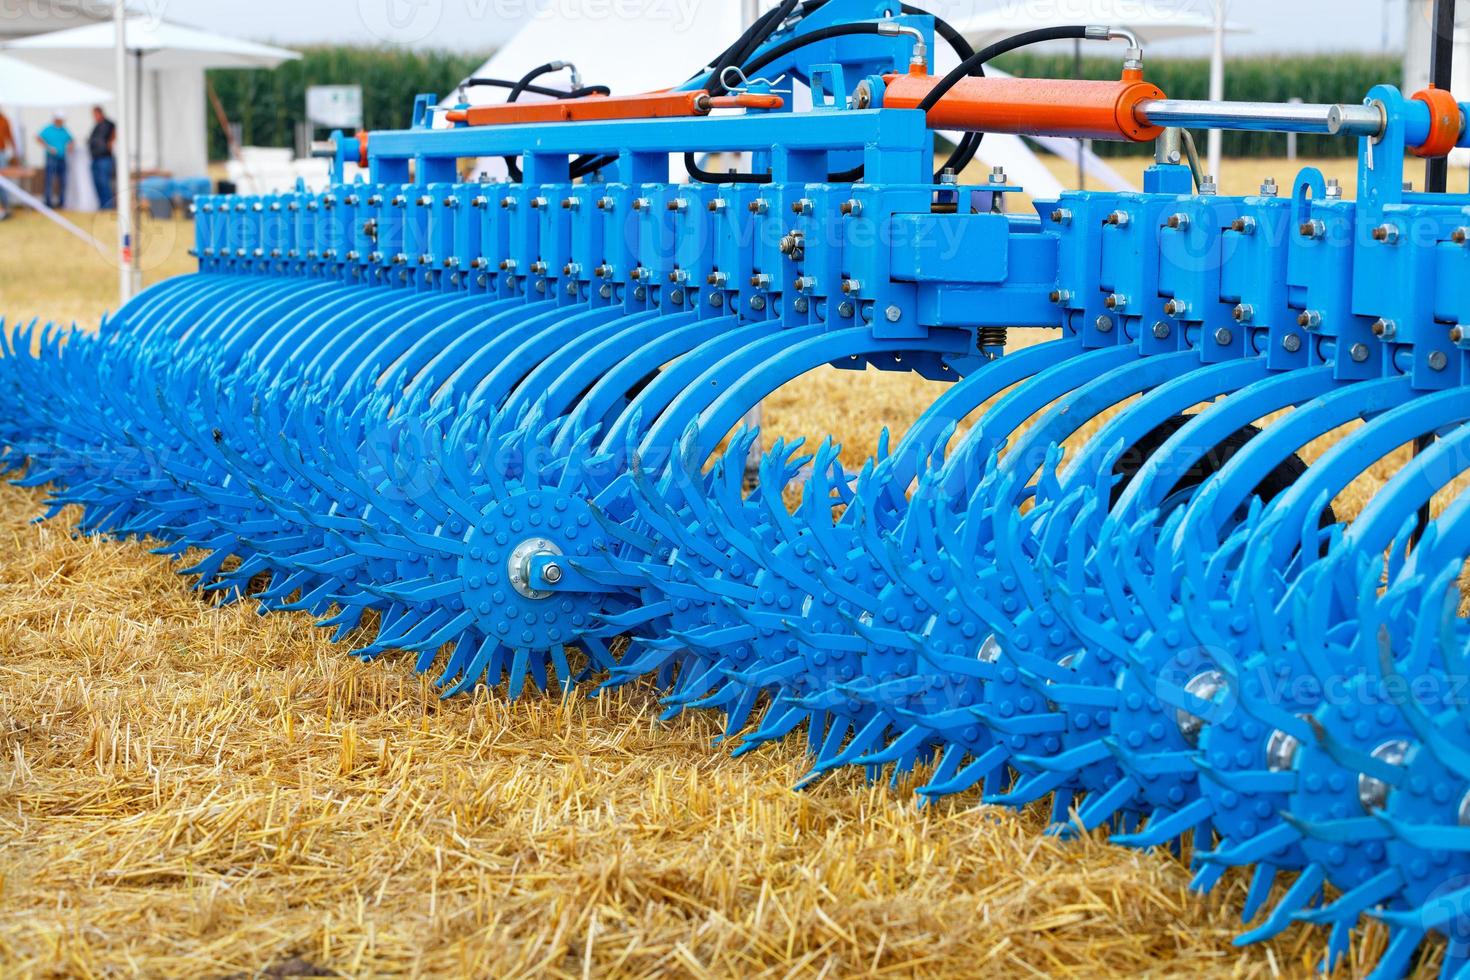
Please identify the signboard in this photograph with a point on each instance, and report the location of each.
(334, 107)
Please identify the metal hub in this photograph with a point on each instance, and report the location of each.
(518, 565)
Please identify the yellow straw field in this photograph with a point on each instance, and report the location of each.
(189, 789)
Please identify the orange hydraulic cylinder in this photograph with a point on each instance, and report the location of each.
(653, 105)
(1079, 109)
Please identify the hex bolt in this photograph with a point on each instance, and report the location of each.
(641, 293)
(717, 279)
(551, 574)
(845, 309)
(716, 299)
(1359, 353)
(759, 206)
(851, 209)
(1208, 187)
(1161, 330)
(1116, 301)
(1061, 216)
(1118, 219)
(480, 201)
(1291, 343)
(1309, 320)
(1438, 361)
(449, 202)
(568, 203)
(1176, 307)
(997, 175)
(605, 204)
(1269, 188)
(1457, 334)
(678, 205)
(1178, 221)
(1460, 236)
(1224, 337)
(1243, 313)
(1104, 324)
(803, 283)
(677, 297)
(760, 280)
(507, 265)
(801, 304)
(803, 206)
(641, 203)
(507, 202)
(1313, 229)
(1385, 329)
(718, 205)
(1334, 189)
(758, 303)
(893, 314)
(1245, 225)
(1387, 234)
(1061, 297)
(851, 286)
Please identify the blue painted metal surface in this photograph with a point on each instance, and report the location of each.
(497, 425)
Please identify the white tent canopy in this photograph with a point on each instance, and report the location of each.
(25, 85)
(166, 86)
(164, 46)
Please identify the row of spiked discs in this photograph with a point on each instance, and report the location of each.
(497, 427)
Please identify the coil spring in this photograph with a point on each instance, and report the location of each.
(991, 337)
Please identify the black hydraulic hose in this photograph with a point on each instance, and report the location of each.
(691, 164)
(1441, 64)
(759, 33)
(980, 58)
(516, 91)
(554, 93)
(520, 87)
(969, 144)
(815, 37)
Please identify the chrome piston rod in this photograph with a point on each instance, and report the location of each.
(1264, 117)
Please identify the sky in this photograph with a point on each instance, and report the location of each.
(478, 25)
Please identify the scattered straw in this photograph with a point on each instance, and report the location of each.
(191, 790)
(196, 791)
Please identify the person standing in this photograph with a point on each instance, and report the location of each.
(56, 138)
(7, 156)
(99, 147)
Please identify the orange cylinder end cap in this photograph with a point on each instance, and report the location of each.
(1446, 123)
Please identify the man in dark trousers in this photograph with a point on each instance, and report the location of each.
(99, 146)
(57, 140)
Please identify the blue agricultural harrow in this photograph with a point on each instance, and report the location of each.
(498, 425)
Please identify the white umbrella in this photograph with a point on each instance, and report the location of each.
(154, 45)
(25, 85)
(165, 46)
